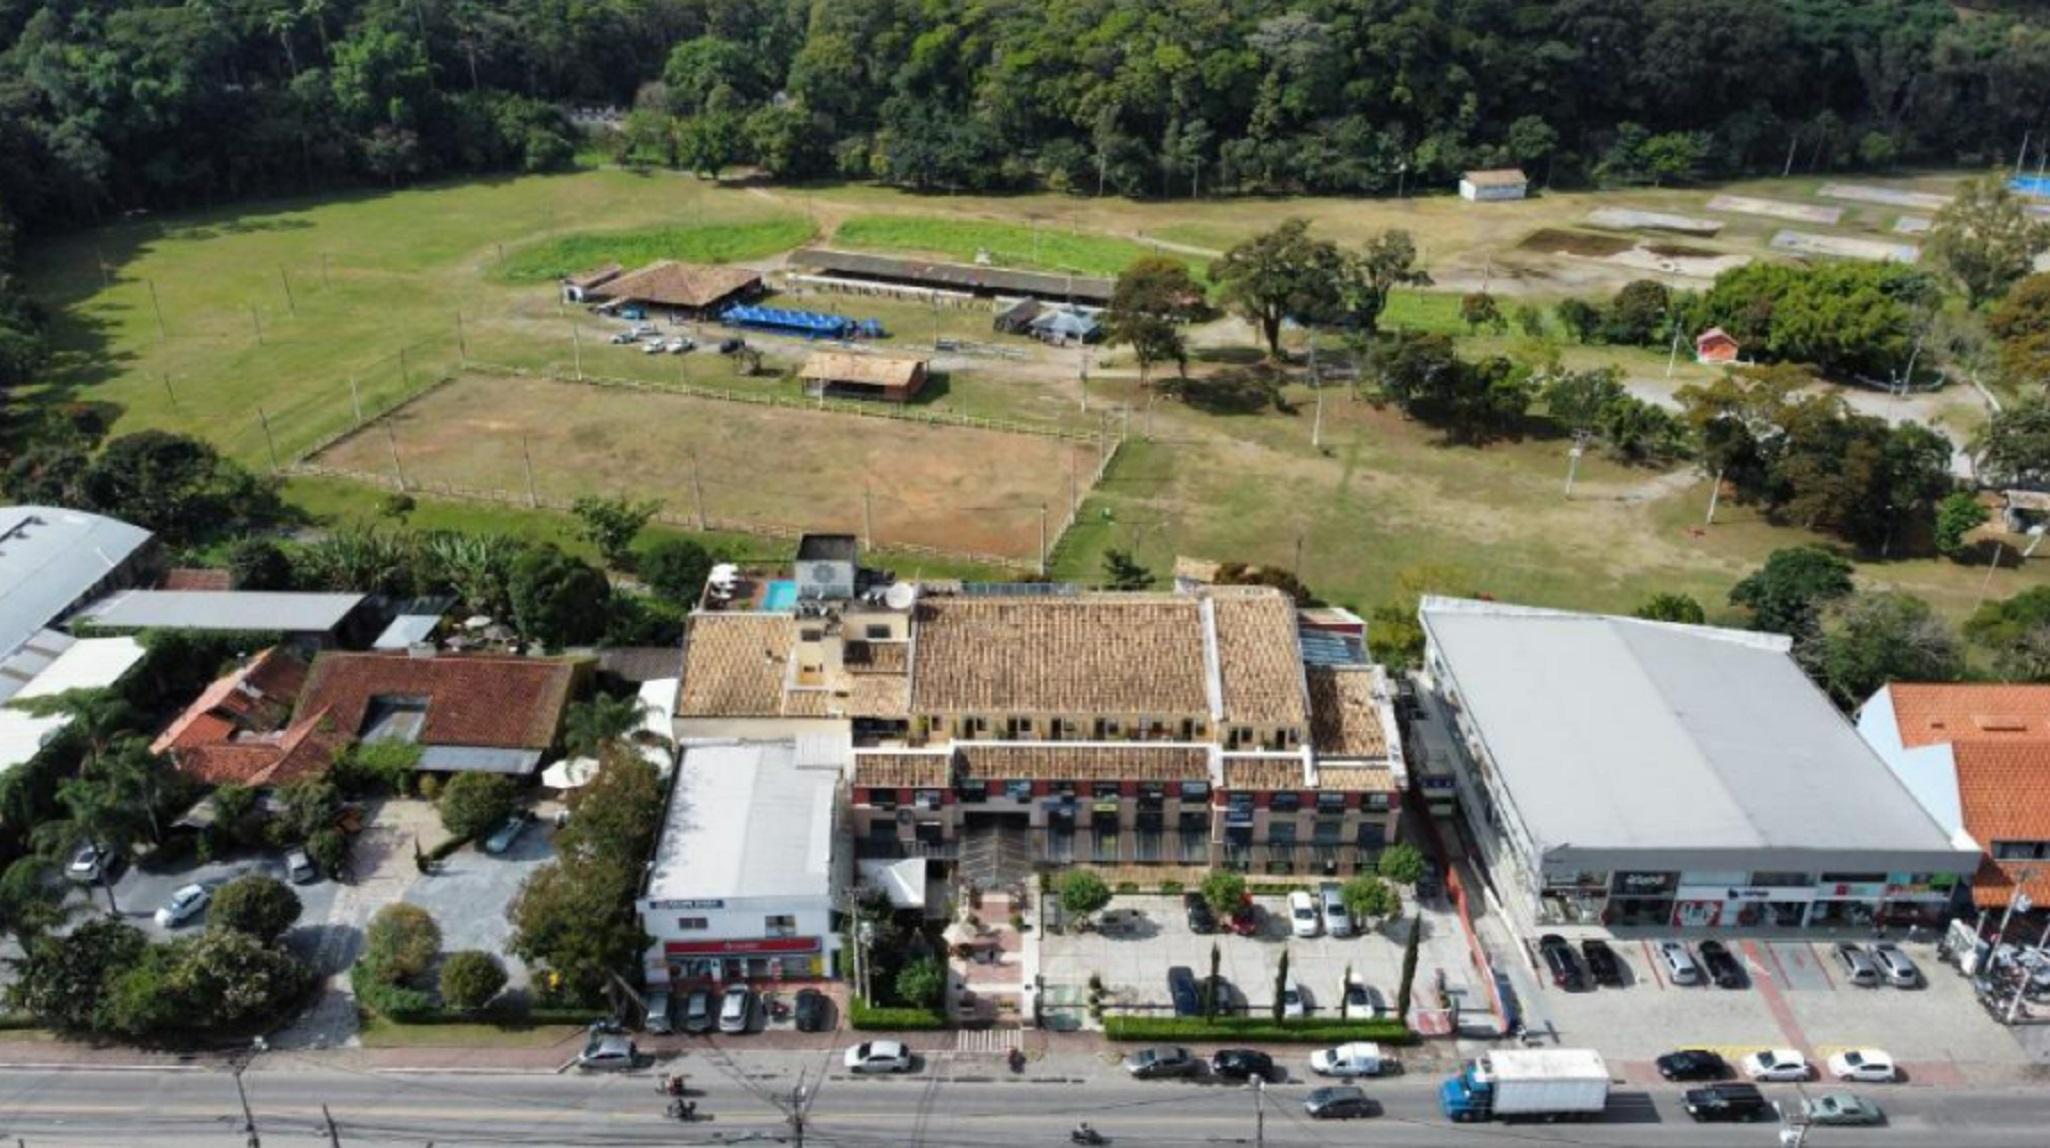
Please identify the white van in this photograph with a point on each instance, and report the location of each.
(1336, 919)
(1360, 1058)
(1302, 915)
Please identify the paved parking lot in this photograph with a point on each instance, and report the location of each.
(139, 892)
(468, 894)
(1133, 960)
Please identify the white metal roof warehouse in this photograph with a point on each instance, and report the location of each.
(51, 559)
(1603, 745)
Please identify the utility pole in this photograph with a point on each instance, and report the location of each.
(391, 440)
(356, 397)
(462, 344)
(334, 1135)
(168, 390)
(256, 321)
(1042, 540)
(697, 488)
(1715, 493)
(157, 307)
(868, 530)
(1074, 505)
(1573, 459)
(291, 304)
(268, 441)
(1298, 570)
(1992, 564)
(2021, 157)
(1673, 356)
(248, 1117)
(1259, 1111)
(1317, 427)
(797, 1098)
(576, 341)
(533, 498)
(1082, 351)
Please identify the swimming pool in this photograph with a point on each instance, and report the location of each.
(780, 594)
(2035, 185)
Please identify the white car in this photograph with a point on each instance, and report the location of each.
(184, 905)
(678, 345)
(1777, 1064)
(1293, 1003)
(652, 346)
(1360, 1058)
(1867, 1065)
(1302, 915)
(879, 1056)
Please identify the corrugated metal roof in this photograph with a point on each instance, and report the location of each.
(91, 664)
(973, 276)
(478, 759)
(280, 611)
(50, 559)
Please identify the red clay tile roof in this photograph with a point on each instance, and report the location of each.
(196, 578)
(257, 698)
(1999, 736)
(475, 700)
(306, 748)
(672, 284)
(1932, 713)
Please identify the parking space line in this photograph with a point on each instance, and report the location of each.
(1782, 1012)
(1651, 963)
(1821, 965)
(1774, 954)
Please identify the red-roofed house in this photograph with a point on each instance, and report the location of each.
(468, 713)
(1977, 756)
(240, 729)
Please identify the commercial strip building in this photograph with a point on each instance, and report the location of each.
(1977, 758)
(750, 873)
(1618, 771)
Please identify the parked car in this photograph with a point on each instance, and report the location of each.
(184, 905)
(1841, 1108)
(1293, 1002)
(1722, 967)
(1777, 1064)
(1856, 965)
(609, 1052)
(732, 346)
(509, 831)
(737, 1010)
(697, 1012)
(679, 345)
(1339, 1102)
(878, 1056)
(299, 867)
(87, 864)
(1680, 966)
(1181, 989)
(1360, 1058)
(1895, 965)
(1202, 919)
(1337, 918)
(1866, 1065)
(1727, 1102)
(1602, 963)
(1245, 920)
(812, 1011)
(1557, 955)
(625, 338)
(1243, 1064)
(652, 346)
(1363, 1001)
(1692, 1064)
(1165, 1060)
(1302, 915)
(657, 1021)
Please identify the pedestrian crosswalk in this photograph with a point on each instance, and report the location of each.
(993, 1041)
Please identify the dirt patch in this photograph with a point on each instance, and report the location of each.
(1626, 219)
(1679, 251)
(958, 489)
(1777, 209)
(1559, 241)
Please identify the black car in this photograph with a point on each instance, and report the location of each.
(1243, 1064)
(1692, 1064)
(1181, 989)
(1722, 968)
(811, 1011)
(1558, 957)
(1727, 1102)
(1602, 963)
(1339, 1102)
(1202, 921)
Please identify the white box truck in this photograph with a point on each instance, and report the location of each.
(1528, 1084)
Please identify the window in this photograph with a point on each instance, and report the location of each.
(1148, 839)
(1331, 803)
(1195, 835)
(780, 925)
(1373, 835)
(1287, 802)
(1020, 727)
(1239, 737)
(971, 792)
(877, 633)
(931, 833)
(1781, 880)
(1152, 795)
(927, 799)
(689, 924)
(1329, 831)
(1855, 878)
(1195, 791)
(883, 798)
(975, 726)
(1281, 847)
(1018, 790)
(1238, 809)
(1106, 837)
(810, 634)
(2019, 851)
(1375, 803)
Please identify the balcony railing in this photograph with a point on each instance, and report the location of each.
(875, 849)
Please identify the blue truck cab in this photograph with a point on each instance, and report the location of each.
(1466, 1098)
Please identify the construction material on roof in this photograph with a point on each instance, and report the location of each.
(272, 611)
(982, 280)
(51, 559)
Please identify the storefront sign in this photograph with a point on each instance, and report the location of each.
(1110, 806)
(669, 906)
(760, 946)
(1645, 884)
(1849, 891)
(1744, 893)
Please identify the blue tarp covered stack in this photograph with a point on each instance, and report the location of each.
(809, 324)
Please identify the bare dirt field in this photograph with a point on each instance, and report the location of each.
(962, 490)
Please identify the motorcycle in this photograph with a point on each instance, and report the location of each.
(1087, 1135)
(683, 1110)
(1017, 1060)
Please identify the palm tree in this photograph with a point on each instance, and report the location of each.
(478, 567)
(590, 726)
(32, 900)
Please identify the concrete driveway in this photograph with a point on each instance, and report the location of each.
(469, 893)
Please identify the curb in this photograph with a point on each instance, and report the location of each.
(74, 1067)
(464, 1071)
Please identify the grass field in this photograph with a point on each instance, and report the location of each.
(552, 259)
(955, 489)
(1007, 244)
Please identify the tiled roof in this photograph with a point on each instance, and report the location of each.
(2003, 790)
(305, 748)
(1345, 720)
(1262, 773)
(196, 578)
(1257, 655)
(1128, 654)
(1934, 713)
(1356, 778)
(475, 700)
(902, 770)
(879, 695)
(257, 697)
(1993, 884)
(673, 284)
(878, 657)
(888, 371)
(1074, 761)
(734, 665)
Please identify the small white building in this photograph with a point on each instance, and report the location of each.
(1487, 186)
(749, 873)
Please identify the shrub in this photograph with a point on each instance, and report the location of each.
(263, 907)
(1171, 888)
(401, 942)
(472, 803)
(1223, 889)
(391, 1001)
(329, 849)
(1402, 863)
(861, 1015)
(469, 979)
(1370, 899)
(1082, 892)
(1385, 1030)
(429, 786)
(922, 982)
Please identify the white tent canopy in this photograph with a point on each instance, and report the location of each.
(904, 880)
(570, 773)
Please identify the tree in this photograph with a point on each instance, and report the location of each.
(329, 849)
(1478, 309)
(1879, 638)
(922, 982)
(1370, 899)
(2016, 631)
(1224, 890)
(32, 900)
(61, 978)
(558, 600)
(401, 942)
(1639, 314)
(615, 817)
(1406, 985)
(2013, 449)
(1673, 156)
(1281, 984)
(1984, 239)
(1529, 319)
(1280, 274)
(1672, 608)
(1394, 636)
(1122, 572)
(374, 765)
(261, 906)
(1471, 402)
(1581, 318)
(309, 805)
(675, 569)
(259, 564)
(589, 726)
(2022, 325)
(1787, 594)
(1369, 277)
(576, 918)
(1153, 298)
(177, 486)
(229, 980)
(612, 524)
(1082, 893)
(1402, 863)
(470, 978)
(1957, 515)
(1576, 399)
(472, 804)
(709, 143)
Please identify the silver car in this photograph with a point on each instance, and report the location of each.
(1680, 966)
(609, 1054)
(1896, 967)
(1856, 965)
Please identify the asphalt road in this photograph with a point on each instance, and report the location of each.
(943, 1109)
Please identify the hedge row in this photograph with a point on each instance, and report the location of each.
(401, 1005)
(1246, 1028)
(870, 1017)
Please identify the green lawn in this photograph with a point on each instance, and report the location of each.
(1045, 248)
(378, 1032)
(562, 255)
